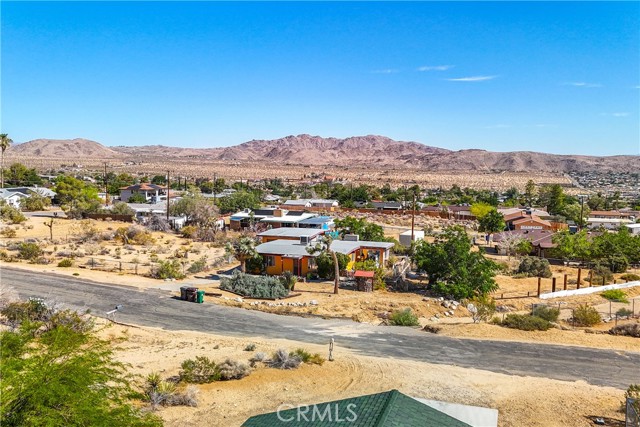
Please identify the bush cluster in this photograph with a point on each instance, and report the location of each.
(534, 267)
(586, 316)
(29, 251)
(198, 265)
(201, 370)
(306, 357)
(10, 214)
(600, 272)
(67, 262)
(550, 314)
(526, 322)
(404, 317)
(168, 269)
(631, 277)
(616, 295)
(630, 330)
(254, 286)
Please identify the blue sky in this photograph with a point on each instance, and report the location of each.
(502, 76)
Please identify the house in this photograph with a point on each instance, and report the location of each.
(405, 237)
(311, 203)
(245, 218)
(381, 206)
(12, 198)
(284, 218)
(297, 203)
(611, 214)
(150, 192)
(320, 222)
(386, 409)
(41, 191)
(607, 223)
(292, 255)
(531, 223)
(303, 235)
(634, 229)
(541, 240)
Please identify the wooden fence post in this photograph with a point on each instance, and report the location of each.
(553, 284)
(565, 282)
(120, 265)
(539, 283)
(579, 274)
(603, 281)
(590, 278)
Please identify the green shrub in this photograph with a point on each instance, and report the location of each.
(288, 280)
(526, 322)
(10, 214)
(549, 314)
(404, 317)
(326, 269)
(534, 267)
(616, 295)
(199, 371)
(189, 231)
(617, 263)
(168, 269)
(254, 286)
(307, 357)
(8, 232)
(484, 307)
(624, 312)
(600, 272)
(586, 316)
(199, 265)
(631, 277)
(29, 251)
(250, 347)
(67, 262)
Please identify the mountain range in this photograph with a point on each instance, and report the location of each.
(377, 151)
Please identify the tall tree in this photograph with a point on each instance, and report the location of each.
(324, 246)
(243, 248)
(492, 222)
(5, 142)
(530, 193)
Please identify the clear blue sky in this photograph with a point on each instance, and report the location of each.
(502, 76)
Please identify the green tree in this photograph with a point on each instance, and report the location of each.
(20, 175)
(76, 197)
(238, 201)
(56, 372)
(199, 210)
(5, 142)
(481, 209)
(553, 197)
(35, 202)
(453, 268)
(324, 247)
(365, 230)
(492, 222)
(242, 249)
(137, 198)
(529, 195)
(576, 213)
(572, 246)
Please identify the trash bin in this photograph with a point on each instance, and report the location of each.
(200, 297)
(191, 294)
(183, 293)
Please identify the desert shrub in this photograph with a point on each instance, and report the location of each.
(10, 214)
(250, 347)
(121, 208)
(288, 280)
(631, 277)
(199, 371)
(29, 251)
(549, 314)
(254, 286)
(630, 330)
(168, 269)
(33, 310)
(232, 370)
(259, 357)
(600, 272)
(483, 308)
(525, 322)
(134, 235)
(255, 264)
(306, 357)
(534, 267)
(633, 392)
(616, 295)
(8, 232)
(584, 315)
(189, 231)
(158, 223)
(67, 262)
(624, 312)
(199, 265)
(404, 317)
(282, 359)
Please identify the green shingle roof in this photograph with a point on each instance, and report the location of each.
(387, 409)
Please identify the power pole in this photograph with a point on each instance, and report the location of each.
(168, 191)
(413, 216)
(106, 191)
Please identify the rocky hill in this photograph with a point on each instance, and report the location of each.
(377, 151)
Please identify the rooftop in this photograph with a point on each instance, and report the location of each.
(291, 232)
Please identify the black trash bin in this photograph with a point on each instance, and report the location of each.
(192, 294)
(183, 293)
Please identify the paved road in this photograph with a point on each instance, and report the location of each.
(158, 308)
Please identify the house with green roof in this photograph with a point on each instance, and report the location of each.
(387, 409)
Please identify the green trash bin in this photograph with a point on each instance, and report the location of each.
(200, 297)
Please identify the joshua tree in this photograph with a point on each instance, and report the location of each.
(5, 142)
(325, 246)
(243, 249)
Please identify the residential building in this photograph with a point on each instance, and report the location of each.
(12, 198)
(303, 235)
(607, 223)
(531, 223)
(634, 228)
(150, 192)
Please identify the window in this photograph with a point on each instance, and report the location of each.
(271, 261)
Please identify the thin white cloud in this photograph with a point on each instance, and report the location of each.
(435, 68)
(473, 79)
(582, 84)
(386, 71)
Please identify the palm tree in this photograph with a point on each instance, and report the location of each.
(5, 142)
(243, 249)
(325, 246)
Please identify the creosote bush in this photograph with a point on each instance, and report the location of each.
(29, 251)
(549, 314)
(306, 357)
(526, 322)
(67, 262)
(168, 269)
(199, 371)
(404, 317)
(534, 267)
(198, 265)
(584, 315)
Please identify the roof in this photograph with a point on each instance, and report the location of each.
(363, 273)
(317, 220)
(6, 194)
(607, 213)
(387, 409)
(297, 202)
(532, 219)
(148, 207)
(288, 218)
(291, 232)
(43, 191)
(347, 246)
(287, 248)
(542, 238)
(144, 187)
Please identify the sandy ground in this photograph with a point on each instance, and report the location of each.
(521, 401)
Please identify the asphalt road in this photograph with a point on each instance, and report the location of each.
(159, 309)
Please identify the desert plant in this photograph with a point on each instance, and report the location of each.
(67, 262)
(10, 214)
(404, 317)
(307, 357)
(168, 269)
(198, 265)
(8, 232)
(232, 370)
(201, 370)
(250, 347)
(525, 322)
(600, 273)
(259, 357)
(288, 280)
(189, 231)
(630, 330)
(549, 314)
(584, 315)
(282, 359)
(482, 308)
(616, 295)
(633, 392)
(631, 277)
(254, 286)
(534, 267)
(158, 223)
(624, 312)
(29, 251)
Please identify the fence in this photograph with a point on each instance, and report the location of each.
(142, 269)
(615, 312)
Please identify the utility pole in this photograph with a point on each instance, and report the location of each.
(106, 190)
(413, 216)
(168, 191)
(581, 197)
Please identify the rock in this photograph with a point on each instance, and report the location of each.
(433, 319)
(446, 313)
(445, 304)
(238, 299)
(313, 302)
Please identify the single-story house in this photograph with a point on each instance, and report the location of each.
(607, 223)
(386, 409)
(243, 219)
(149, 191)
(303, 235)
(319, 222)
(611, 214)
(297, 203)
(531, 223)
(12, 198)
(41, 191)
(284, 218)
(634, 228)
(541, 240)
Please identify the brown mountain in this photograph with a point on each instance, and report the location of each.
(70, 148)
(377, 151)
